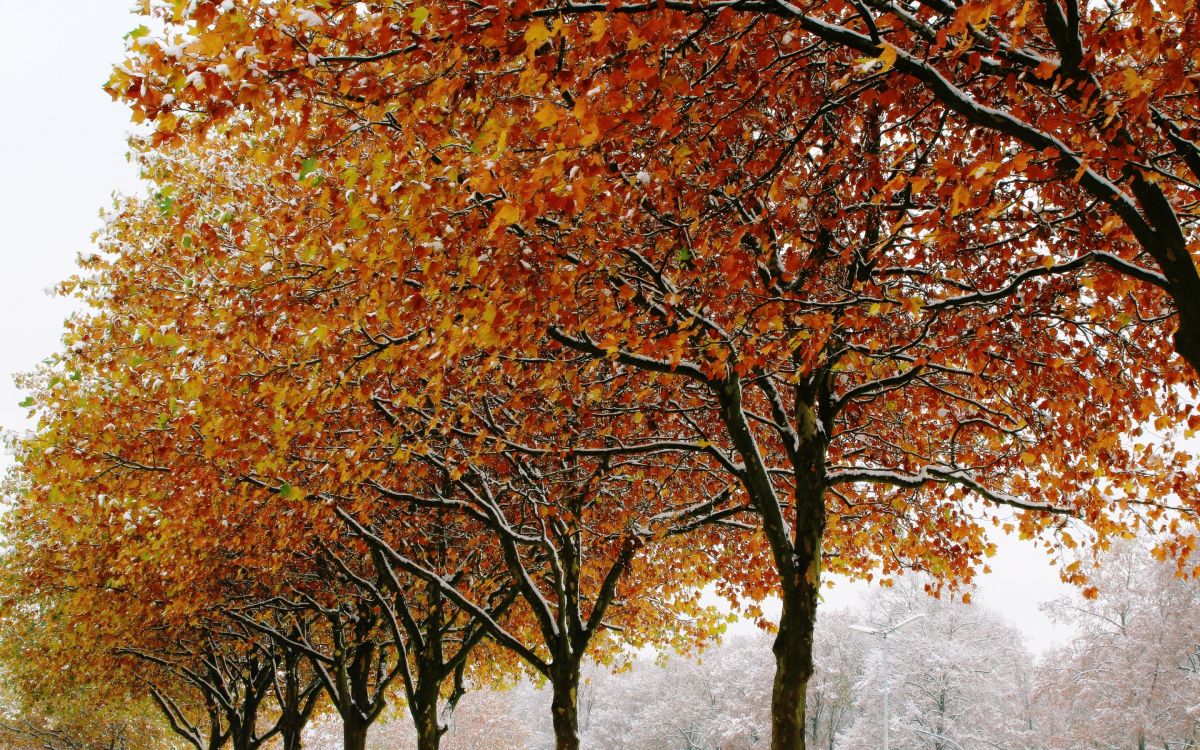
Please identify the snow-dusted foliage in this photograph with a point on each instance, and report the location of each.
(1131, 678)
(958, 677)
(720, 701)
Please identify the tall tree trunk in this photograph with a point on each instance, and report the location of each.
(242, 740)
(793, 650)
(800, 592)
(242, 727)
(424, 710)
(291, 723)
(354, 733)
(290, 733)
(793, 668)
(564, 680)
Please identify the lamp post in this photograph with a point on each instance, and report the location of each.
(884, 633)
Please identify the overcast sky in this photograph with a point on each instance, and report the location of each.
(65, 156)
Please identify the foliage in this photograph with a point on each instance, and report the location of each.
(1133, 670)
(604, 304)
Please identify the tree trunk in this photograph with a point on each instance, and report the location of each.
(798, 558)
(290, 733)
(565, 683)
(354, 734)
(297, 703)
(242, 727)
(425, 718)
(793, 668)
(242, 741)
(800, 592)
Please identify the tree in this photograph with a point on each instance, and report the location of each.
(87, 719)
(268, 553)
(431, 641)
(570, 523)
(233, 680)
(1129, 677)
(958, 678)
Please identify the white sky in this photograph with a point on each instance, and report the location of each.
(66, 155)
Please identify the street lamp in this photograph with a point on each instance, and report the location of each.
(884, 633)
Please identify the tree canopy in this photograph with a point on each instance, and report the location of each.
(537, 318)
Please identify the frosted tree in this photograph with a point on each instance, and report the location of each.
(841, 655)
(958, 677)
(1131, 678)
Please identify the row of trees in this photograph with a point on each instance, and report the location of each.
(462, 340)
(961, 678)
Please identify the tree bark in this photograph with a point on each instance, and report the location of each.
(801, 585)
(425, 718)
(291, 724)
(297, 703)
(290, 733)
(793, 646)
(354, 734)
(564, 705)
(242, 741)
(793, 669)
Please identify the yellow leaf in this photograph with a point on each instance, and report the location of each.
(591, 134)
(508, 214)
(887, 57)
(546, 116)
(960, 199)
(419, 16)
(599, 26)
(536, 35)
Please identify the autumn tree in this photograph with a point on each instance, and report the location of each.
(88, 717)
(233, 681)
(386, 626)
(571, 519)
(79, 614)
(1054, 88)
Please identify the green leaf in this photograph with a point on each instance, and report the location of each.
(308, 166)
(27, 403)
(164, 202)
